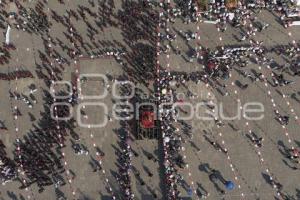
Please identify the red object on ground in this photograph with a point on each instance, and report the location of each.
(147, 119)
(211, 65)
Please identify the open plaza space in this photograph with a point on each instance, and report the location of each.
(149, 99)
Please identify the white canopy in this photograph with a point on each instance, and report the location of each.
(7, 35)
(297, 2)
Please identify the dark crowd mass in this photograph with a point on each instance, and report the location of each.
(38, 157)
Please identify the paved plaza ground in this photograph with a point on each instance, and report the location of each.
(244, 164)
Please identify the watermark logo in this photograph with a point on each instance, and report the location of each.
(125, 110)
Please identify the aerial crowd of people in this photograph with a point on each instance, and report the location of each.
(143, 25)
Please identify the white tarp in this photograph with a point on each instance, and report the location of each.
(210, 22)
(297, 2)
(295, 23)
(231, 16)
(7, 35)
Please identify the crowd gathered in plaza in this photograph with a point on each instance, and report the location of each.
(38, 157)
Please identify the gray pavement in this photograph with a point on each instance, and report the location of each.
(242, 164)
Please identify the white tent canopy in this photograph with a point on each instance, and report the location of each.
(297, 2)
(7, 35)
